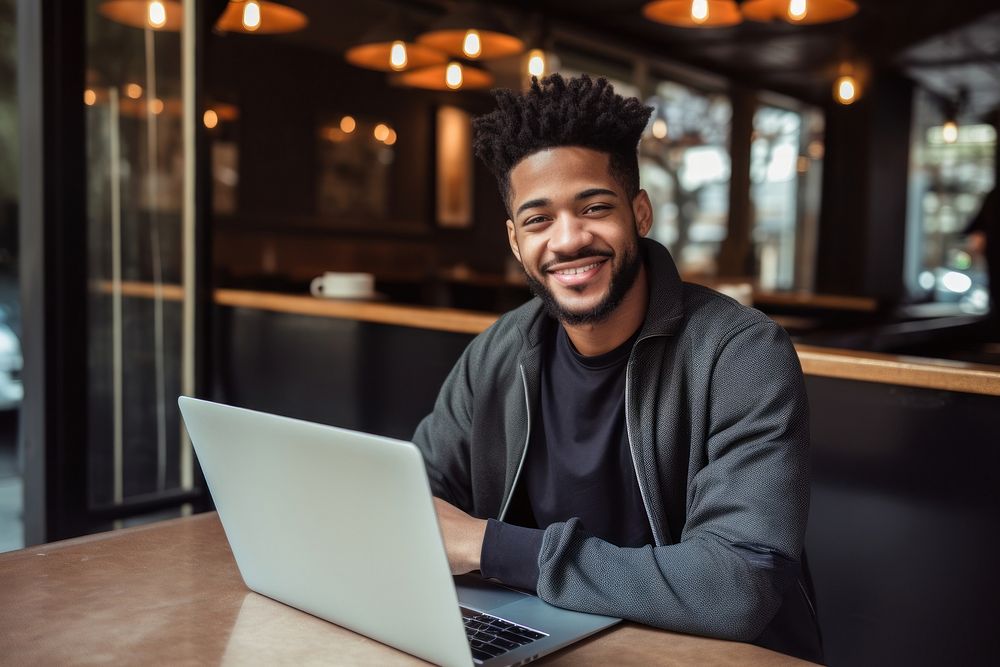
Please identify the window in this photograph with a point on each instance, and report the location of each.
(948, 181)
(786, 153)
(685, 167)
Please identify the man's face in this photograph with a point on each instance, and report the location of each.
(575, 232)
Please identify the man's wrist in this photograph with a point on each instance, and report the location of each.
(476, 544)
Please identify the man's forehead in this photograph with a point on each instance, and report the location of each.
(560, 171)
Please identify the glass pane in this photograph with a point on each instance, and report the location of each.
(135, 163)
(786, 153)
(949, 177)
(11, 392)
(685, 166)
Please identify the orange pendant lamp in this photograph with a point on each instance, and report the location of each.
(389, 47)
(452, 76)
(164, 15)
(694, 13)
(799, 11)
(473, 32)
(260, 17)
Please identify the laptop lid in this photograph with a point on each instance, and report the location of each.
(336, 523)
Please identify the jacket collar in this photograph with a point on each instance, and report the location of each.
(665, 310)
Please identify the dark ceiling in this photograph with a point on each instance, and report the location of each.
(945, 45)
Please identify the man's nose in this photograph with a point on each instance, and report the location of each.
(569, 235)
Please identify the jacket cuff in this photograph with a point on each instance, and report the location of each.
(510, 554)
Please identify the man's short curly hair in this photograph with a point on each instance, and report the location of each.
(555, 112)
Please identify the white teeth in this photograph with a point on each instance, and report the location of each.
(573, 272)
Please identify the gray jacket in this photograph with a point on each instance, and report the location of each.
(716, 418)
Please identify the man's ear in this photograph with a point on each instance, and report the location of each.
(643, 211)
(512, 237)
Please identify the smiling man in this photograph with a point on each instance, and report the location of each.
(626, 443)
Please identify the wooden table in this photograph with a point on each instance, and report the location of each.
(170, 593)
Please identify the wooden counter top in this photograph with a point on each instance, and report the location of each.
(816, 361)
(171, 594)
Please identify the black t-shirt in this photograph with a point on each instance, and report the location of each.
(578, 464)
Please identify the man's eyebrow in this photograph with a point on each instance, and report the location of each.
(593, 192)
(532, 203)
(586, 194)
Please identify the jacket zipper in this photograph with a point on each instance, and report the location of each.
(524, 453)
(631, 447)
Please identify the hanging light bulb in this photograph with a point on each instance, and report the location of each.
(397, 55)
(251, 15)
(699, 11)
(797, 10)
(89, 97)
(536, 63)
(660, 128)
(133, 91)
(347, 124)
(210, 118)
(845, 90)
(156, 14)
(381, 131)
(453, 76)
(390, 138)
(472, 46)
(949, 131)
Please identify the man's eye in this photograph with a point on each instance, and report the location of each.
(597, 208)
(534, 220)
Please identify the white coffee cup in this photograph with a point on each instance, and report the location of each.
(337, 285)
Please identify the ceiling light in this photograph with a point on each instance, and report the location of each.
(453, 76)
(536, 63)
(390, 47)
(472, 46)
(799, 11)
(260, 17)
(693, 13)
(949, 131)
(251, 16)
(474, 31)
(155, 14)
(845, 89)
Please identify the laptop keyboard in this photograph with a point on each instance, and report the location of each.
(490, 636)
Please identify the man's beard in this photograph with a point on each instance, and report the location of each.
(621, 282)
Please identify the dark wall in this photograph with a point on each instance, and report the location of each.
(865, 171)
(284, 92)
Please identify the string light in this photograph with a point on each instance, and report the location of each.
(347, 124)
(89, 97)
(381, 132)
(210, 118)
(133, 91)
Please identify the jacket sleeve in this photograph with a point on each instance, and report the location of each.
(746, 511)
(443, 436)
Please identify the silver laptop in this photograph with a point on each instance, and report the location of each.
(341, 525)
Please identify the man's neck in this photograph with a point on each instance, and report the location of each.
(593, 339)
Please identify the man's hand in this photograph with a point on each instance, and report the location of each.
(463, 536)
